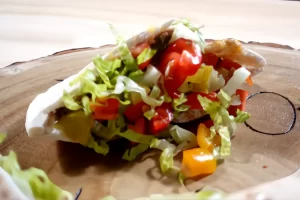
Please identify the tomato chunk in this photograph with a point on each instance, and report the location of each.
(162, 118)
(193, 101)
(243, 97)
(134, 112)
(181, 59)
(210, 59)
(228, 64)
(137, 50)
(139, 126)
(105, 109)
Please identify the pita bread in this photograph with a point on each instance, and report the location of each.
(40, 114)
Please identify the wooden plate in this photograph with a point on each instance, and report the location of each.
(255, 158)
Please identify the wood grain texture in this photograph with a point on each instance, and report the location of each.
(255, 158)
(30, 29)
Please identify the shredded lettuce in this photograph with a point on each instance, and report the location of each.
(90, 87)
(155, 92)
(100, 147)
(185, 29)
(126, 84)
(241, 116)
(184, 138)
(161, 144)
(150, 113)
(181, 178)
(69, 102)
(124, 51)
(239, 77)
(136, 137)
(111, 130)
(131, 154)
(136, 76)
(86, 105)
(151, 76)
(224, 124)
(166, 157)
(180, 135)
(33, 182)
(199, 82)
(177, 103)
(107, 66)
(225, 141)
(216, 81)
(102, 72)
(224, 98)
(146, 55)
(88, 74)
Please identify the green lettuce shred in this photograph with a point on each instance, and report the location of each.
(136, 76)
(131, 154)
(86, 105)
(224, 124)
(242, 116)
(195, 29)
(224, 98)
(124, 51)
(166, 159)
(33, 182)
(90, 87)
(225, 141)
(177, 104)
(102, 72)
(69, 102)
(150, 113)
(136, 137)
(126, 84)
(145, 55)
(101, 147)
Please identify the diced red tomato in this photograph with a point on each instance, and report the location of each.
(144, 64)
(243, 97)
(182, 58)
(193, 101)
(162, 119)
(210, 59)
(105, 109)
(137, 50)
(139, 126)
(208, 123)
(134, 112)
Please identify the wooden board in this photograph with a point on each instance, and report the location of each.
(256, 158)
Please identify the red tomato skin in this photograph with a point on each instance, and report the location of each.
(181, 59)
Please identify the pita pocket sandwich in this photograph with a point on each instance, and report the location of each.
(145, 89)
